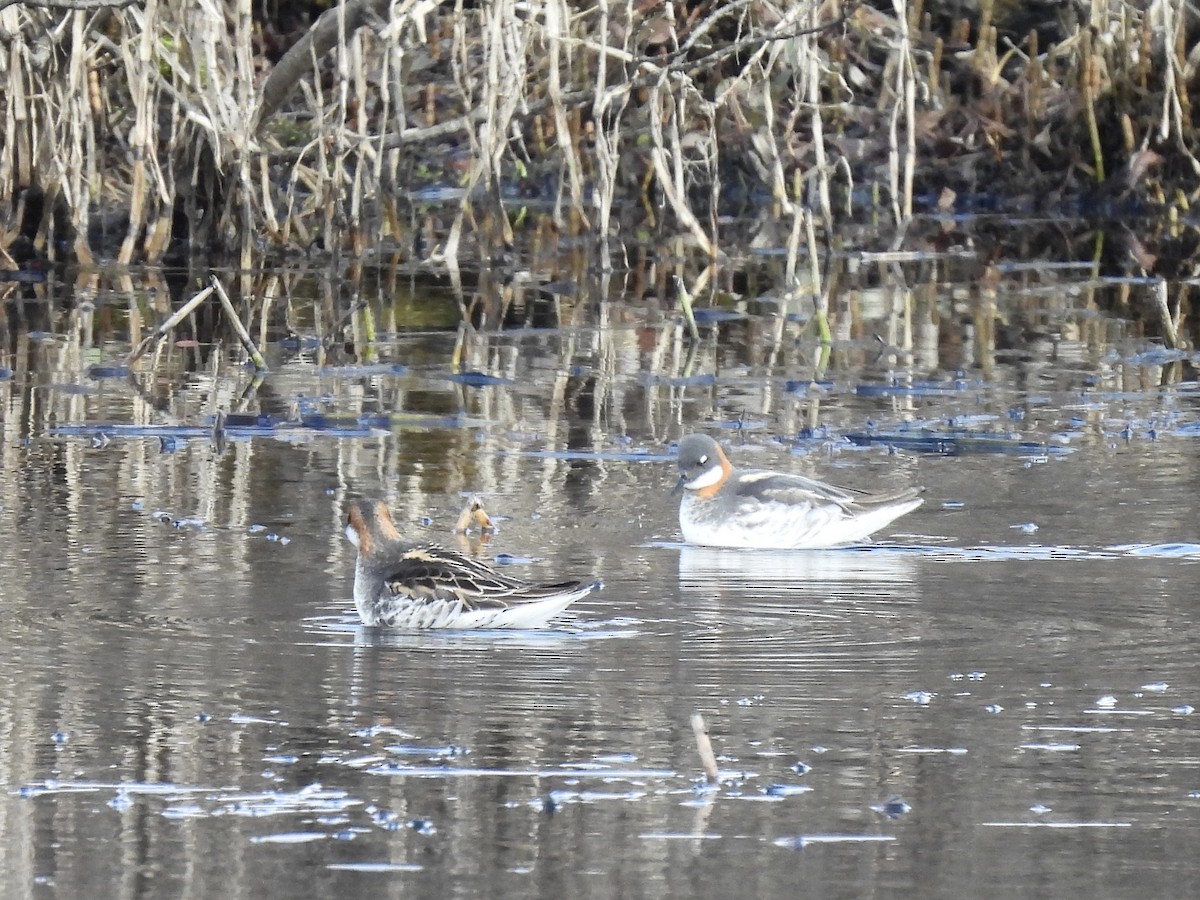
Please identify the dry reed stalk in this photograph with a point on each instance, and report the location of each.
(670, 174)
(607, 110)
(364, 152)
(80, 138)
(817, 126)
(904, 103)
(238, 121)
(503, 83)
(820, 297)
(557, 16)
(793, 247)
(1089, 78)
(1175, 87)
(141, 137)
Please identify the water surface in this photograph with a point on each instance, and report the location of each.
(995, 700)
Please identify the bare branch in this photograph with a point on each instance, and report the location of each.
(69, 4)
(318, 40)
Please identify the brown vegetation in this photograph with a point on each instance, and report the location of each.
(139, 131)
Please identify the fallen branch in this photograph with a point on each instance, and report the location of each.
(322, 37)
(159, 333)
(235, 321)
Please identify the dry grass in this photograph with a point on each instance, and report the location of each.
(165, 123)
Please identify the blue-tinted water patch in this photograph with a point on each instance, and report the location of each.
(98, 372)
(951, 442)
(710, 316)
(741, 424)
(389, 421)
(300, 343)
(233, 428)
(916, 388)
(1159, 356)
(436, 194)
(1160, 551)
(474, 379)
(368, 371)
(24, 276)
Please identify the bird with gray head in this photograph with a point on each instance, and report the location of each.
(725, 507)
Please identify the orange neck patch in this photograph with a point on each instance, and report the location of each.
(707, 493)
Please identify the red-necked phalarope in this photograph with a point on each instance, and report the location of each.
(400, 585)
(723, 507)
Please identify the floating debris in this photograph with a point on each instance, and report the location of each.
(953, 442)
(291, 837)
(893, 808)
(787, 790)
(799, 842)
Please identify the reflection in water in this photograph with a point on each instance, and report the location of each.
(185, 680)
(867, 572)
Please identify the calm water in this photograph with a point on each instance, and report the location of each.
(997, 701)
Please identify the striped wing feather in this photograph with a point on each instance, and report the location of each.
(433, 574)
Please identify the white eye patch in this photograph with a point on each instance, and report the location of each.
(703, 460)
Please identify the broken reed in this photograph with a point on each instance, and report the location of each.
(169, 113)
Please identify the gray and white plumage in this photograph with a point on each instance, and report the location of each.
(723, 507)
(400, 585)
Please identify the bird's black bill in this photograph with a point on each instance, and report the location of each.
(683, 479)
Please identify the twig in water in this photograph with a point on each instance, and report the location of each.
(704, 747)
(243, 335)
(159, 333)
(685, 301)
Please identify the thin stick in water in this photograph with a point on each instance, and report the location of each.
(182, 313)
(243, 335)
(704, 747)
